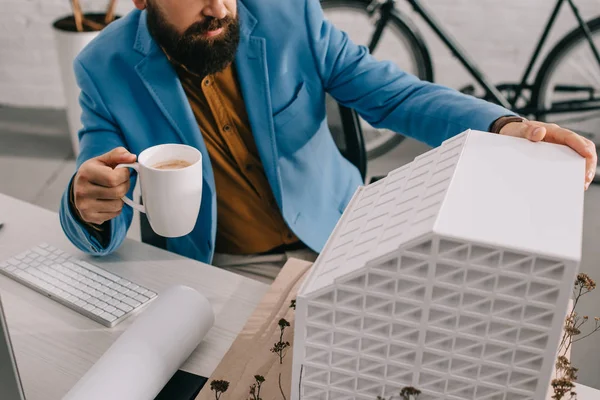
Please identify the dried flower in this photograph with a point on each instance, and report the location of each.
(293, 304)
(283, 323)
(220, 387)
(583, 280)
(409, 393)
(255, 387)
(564, 385)
(279, 347)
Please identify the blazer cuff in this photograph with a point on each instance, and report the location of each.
(99, 232)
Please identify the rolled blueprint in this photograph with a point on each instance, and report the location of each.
(149, 352)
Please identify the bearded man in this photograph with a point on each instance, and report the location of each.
(245, 82)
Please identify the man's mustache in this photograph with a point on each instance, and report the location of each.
(209, 24)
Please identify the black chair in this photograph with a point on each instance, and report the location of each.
(347, 133)
(345, 128)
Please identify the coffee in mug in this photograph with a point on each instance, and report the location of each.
(172, 164)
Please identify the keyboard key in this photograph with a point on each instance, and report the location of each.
(141, 299)
(151, 294)
(113, 302)
(111, 292)
(122, 290)
(110, 309)
(12, 261)
(98, 311)
(88, 307)
(40, 251)
(11, 268)
(118, 313)
(124, 307)
(133, 303)
(71, 298)
(108, 316)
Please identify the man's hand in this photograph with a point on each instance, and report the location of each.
(98, 188)
(552, 133)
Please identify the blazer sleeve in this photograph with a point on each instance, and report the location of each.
(386, 96)
(99, 135)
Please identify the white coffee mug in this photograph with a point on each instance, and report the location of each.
(171, 197)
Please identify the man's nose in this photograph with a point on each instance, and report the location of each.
(215, 8)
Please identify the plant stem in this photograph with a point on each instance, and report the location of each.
(110, 12)
(280, 388)
(300, 382)
(92, 24)
(77, 15)
(281, 351)
(596, 329)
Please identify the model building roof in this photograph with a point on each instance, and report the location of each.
(467, 189)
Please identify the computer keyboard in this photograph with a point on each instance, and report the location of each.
(85, 288)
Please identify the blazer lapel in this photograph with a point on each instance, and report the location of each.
(251, 66)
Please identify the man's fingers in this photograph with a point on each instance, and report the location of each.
(109, 206)
(534, 132)
(93, 191)
(581, 145)
(120, 155)
(106, 176)
(526, 130)
(100, 218)
(89, 207)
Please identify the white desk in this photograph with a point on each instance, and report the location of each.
(55, 346)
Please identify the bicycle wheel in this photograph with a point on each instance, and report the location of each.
(399, 44)
(570, 79)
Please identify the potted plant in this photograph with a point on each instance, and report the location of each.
(72, 33)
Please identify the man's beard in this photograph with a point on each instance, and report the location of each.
(199, 54)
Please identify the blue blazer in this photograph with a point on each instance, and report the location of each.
(289, 56)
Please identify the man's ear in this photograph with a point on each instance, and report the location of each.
(139, 4)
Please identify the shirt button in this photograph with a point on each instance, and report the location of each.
(226, 128)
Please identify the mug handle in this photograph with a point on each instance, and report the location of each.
(126, 200)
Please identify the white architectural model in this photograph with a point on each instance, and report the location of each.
(452, 274)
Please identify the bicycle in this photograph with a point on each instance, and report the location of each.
(566, 84)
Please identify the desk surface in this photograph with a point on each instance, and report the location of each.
(55, 346)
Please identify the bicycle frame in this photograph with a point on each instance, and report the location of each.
(492, 91)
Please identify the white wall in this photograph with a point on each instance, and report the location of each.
(499, 34)
(29, 74)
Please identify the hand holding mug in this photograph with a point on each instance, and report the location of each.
(98, 187)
